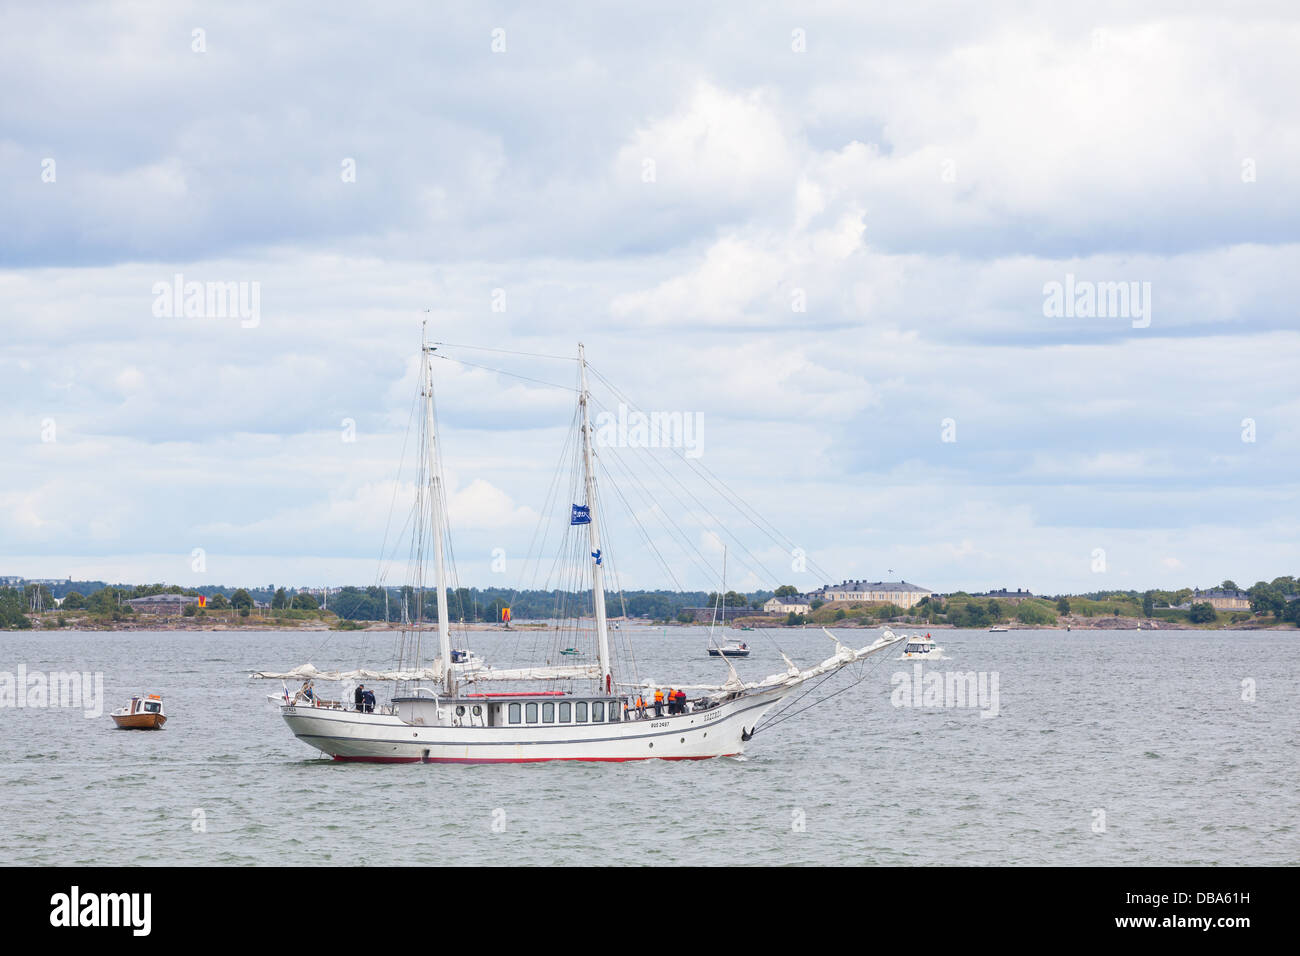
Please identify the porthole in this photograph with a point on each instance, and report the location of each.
(683, 740)
(478, 710)
(460, 710)
(652, 745)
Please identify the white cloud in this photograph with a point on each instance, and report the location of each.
(914, 183)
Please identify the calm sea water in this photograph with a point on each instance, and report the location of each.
(1145, 732)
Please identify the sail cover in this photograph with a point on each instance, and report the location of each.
(468, 676)
(573, 672)
(309, 672)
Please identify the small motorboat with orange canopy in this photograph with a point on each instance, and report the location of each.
(142, 713)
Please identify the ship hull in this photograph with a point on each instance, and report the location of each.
(385, 738)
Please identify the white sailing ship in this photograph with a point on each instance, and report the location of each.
(578, 710)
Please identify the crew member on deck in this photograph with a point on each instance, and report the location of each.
(359, 698)
(659, 702)
(369, 697)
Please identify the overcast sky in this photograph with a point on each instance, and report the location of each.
(829, 233)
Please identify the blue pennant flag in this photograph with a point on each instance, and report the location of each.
(596, 554)
(581, 515)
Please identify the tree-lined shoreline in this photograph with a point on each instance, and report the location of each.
(107, 607)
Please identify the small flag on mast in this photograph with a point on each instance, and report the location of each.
(581, 515)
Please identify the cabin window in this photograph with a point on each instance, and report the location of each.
(548, 713)
(530, 712)
(597, 711)
(580, 712)
(151, 708)
(614, 710)
(566, 712)
(514, 713)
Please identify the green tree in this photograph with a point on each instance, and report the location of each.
(787, 590)
(103, 601)
(1033, 614)
(1063, 606)
(281, 600)
(1229, 586)
(1265, 599)
(1202, 613)
(241, 599)
(305, 602)
(74, 601)
(219, 602)
(13, 610)
(1148, 604)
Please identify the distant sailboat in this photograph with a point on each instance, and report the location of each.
(732, 648)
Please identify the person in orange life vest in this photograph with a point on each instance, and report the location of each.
(640, 706)
(659, 702)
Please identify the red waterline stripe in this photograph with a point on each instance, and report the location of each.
(341, 759)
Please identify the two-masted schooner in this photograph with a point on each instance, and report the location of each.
(445, 713)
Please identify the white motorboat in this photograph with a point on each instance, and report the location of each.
(576, 710)
(919, 647)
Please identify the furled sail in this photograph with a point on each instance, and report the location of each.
(571, 672)
(309, 672)
(468, 675)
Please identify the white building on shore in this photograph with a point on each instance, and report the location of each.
(798, 604)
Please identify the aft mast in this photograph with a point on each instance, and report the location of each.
(438, 524)
(593, 532)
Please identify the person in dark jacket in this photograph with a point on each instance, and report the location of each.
(370, 701)
(359, 698)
